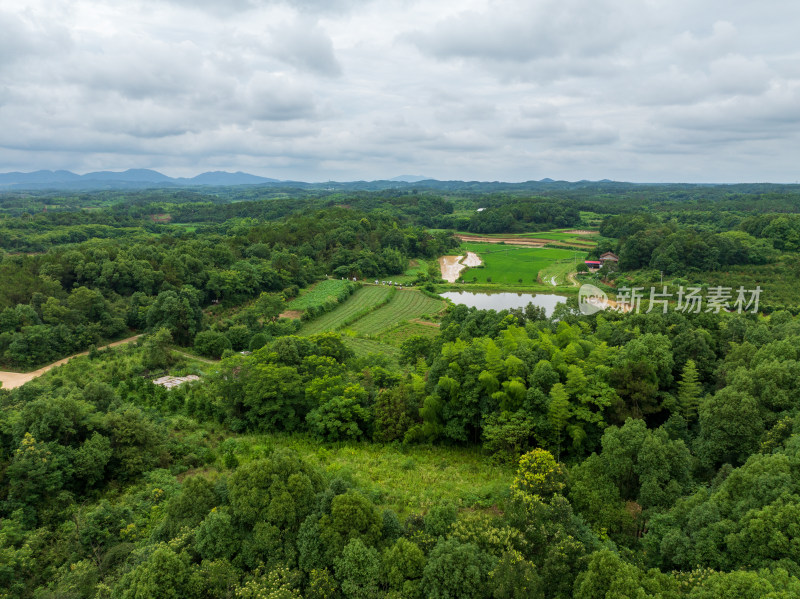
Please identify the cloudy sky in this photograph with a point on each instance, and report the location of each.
(635, 90)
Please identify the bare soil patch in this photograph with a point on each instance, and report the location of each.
(427, 323)
(472, 259)
(451, 267)
(527, 242)
(291, 314)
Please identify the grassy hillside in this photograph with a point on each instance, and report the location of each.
(407, 480)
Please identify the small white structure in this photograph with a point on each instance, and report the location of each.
(169, 382)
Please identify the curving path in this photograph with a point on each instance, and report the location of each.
(12, 380)
(571, 278)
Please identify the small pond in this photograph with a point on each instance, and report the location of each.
(504, 300)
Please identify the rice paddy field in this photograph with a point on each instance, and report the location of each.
(517, 266)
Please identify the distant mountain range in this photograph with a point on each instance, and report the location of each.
(150, 179)
(139, 179)
(132, 178)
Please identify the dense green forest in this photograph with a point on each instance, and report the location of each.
(500, 454)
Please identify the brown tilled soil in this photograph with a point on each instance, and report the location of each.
(427, 323)
(527, 242)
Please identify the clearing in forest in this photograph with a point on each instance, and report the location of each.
(407, 480)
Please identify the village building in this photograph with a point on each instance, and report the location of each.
(609, 257)
(593, 264)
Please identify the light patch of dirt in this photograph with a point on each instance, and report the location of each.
(427, 323)
(472, 259)
(451, 267)
(291, 314)
(581, 232)
(526, 242)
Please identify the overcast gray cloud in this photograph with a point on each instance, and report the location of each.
(486, 89)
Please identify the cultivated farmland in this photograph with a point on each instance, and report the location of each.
(328, 290)
(361, 302)
(510, 265)
(405, 305)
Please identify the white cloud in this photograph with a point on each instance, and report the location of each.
(486, 89)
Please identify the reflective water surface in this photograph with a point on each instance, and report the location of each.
(504, 300)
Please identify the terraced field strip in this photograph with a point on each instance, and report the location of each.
(405, 305)
(317, 295)
(365, 298)
(537, 239)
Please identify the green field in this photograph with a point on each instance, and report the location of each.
(514, 266)
(364, 347)
(414, 267)
(319, 294)
(402, 306)
(557, 273)
(405, 305)
(405, 330)
(408, 479)
(365, 298)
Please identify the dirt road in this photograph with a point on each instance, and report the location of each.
(12, 380)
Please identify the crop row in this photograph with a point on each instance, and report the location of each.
(405, 305)
(326, 291)
(365, 299)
